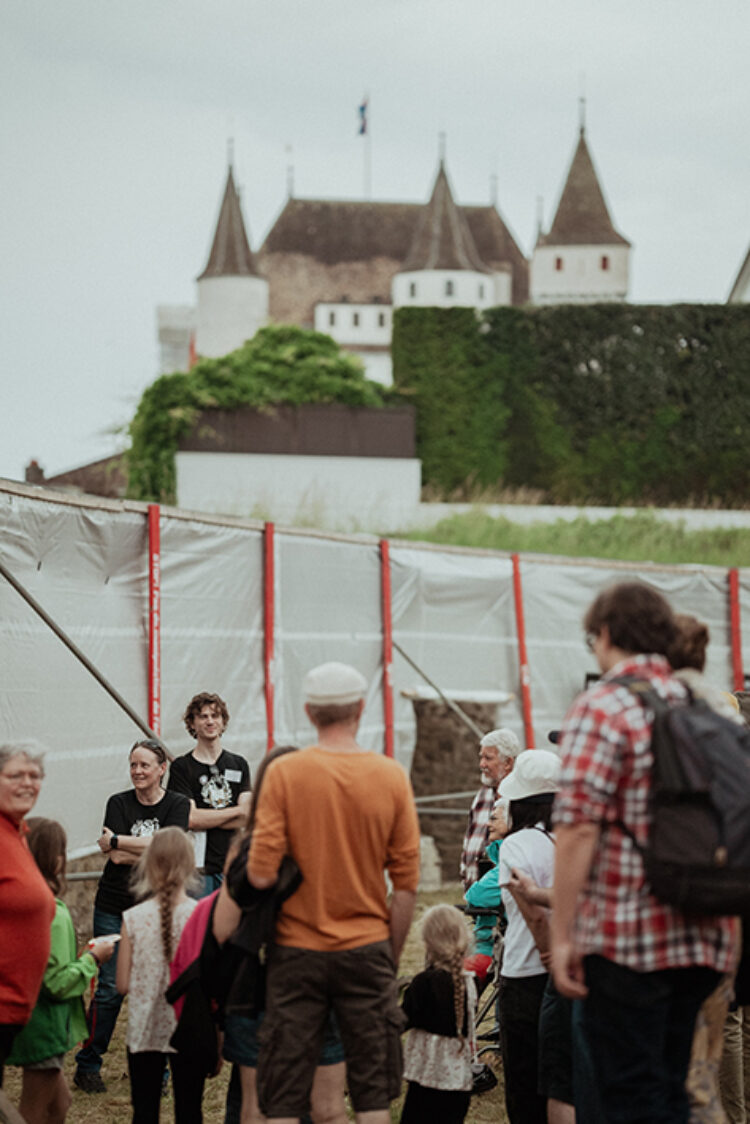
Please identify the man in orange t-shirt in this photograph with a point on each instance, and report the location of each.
(345, 815)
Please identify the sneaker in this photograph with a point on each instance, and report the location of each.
(89, 1081)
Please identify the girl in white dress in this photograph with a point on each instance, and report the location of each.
(440, 1004)
(150, 933)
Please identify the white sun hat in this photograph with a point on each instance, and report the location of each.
(536, 771)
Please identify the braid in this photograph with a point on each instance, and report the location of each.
(165, 896)
(459, 989)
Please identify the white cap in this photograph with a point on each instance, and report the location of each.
(334, 684)
(536, 771)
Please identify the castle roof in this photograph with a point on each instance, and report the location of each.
(741, 286)
(582, 216)
(230, 253)
(351, 249)
(341, 230)
(442, 238)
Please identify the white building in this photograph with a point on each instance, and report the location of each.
(582, 259)
(343, 266)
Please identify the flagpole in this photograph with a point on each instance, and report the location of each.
(368, 166)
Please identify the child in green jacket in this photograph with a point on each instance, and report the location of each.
(58, 1020)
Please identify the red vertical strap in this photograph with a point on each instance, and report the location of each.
(735, 628)
(269, 603)
(154, 618)
(523, 659)
(387, 608)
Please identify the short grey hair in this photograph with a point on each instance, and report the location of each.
(32, 751)
(504, 741)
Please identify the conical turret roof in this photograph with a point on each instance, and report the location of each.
(230, 253)
(582, 216)
(442, 239)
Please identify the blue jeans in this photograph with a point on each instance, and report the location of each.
(637, 1031)
(210, 882)
(105, 1006)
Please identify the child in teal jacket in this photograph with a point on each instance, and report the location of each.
(58, 1020)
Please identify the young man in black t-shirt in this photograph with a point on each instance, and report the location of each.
(216, 782)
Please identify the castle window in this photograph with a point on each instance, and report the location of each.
(605, 261)
(449, 288)
(381, 319)
(558, 264)
(355, 319)
(481, 292)
(331, 319)
(412, 288)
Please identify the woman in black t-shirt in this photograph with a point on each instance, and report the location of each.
(130, 820)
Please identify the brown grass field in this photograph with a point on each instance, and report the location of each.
(113, 1107)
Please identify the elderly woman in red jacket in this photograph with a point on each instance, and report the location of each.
(27, 904)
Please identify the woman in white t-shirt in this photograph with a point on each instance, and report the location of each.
(529, 846)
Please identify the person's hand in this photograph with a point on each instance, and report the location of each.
(103, 948)
(105, 841)
(522, 883)
(567, 971)
(243, 800)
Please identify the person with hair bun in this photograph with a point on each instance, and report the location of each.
(150, 934)
(131, 819)
(440, 1004)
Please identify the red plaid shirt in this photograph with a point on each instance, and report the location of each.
(606, 776)
(475, 839)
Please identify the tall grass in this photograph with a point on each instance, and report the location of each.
(629, 538)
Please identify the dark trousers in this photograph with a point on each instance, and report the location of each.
(105, 1006)
(637, 1030)
(146, 1075)
(519, 1004)
(434, 1106)
(8, 1032)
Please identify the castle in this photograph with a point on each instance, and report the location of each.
(343, 267)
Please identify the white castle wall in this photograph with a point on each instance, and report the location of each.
(444, 288)
(230, 311)
(338, 493)
(581, 278)
(355, 323)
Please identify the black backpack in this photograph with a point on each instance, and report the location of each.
(697, 857)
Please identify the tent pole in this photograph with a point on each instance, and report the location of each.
(112, 691)
(448, 702)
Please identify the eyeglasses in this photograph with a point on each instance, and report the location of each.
(591, 639)
(32, 775)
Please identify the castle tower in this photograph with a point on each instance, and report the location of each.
(583, 258)
(443, 268)
(232, 295)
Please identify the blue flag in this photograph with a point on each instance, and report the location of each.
(362, 118)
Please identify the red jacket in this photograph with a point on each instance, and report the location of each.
(27, 907)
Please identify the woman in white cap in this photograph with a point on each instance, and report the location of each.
(529, 847)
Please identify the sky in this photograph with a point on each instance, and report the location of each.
(115, 122)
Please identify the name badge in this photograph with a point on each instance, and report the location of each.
(234, 776)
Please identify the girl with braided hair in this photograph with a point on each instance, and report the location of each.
(440, 1005)
(150, 934)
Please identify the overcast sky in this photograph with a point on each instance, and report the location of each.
(113, 145)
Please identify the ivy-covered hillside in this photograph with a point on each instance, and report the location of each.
(281, 364)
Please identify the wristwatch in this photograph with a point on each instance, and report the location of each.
(113, 841)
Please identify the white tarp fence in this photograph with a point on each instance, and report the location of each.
(86, 562)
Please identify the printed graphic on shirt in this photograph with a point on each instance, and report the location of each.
(144, 827)
(216, 790)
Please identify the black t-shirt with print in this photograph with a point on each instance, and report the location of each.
(125, 815)
(212, 786)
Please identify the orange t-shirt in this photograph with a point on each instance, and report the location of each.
(344, 818)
